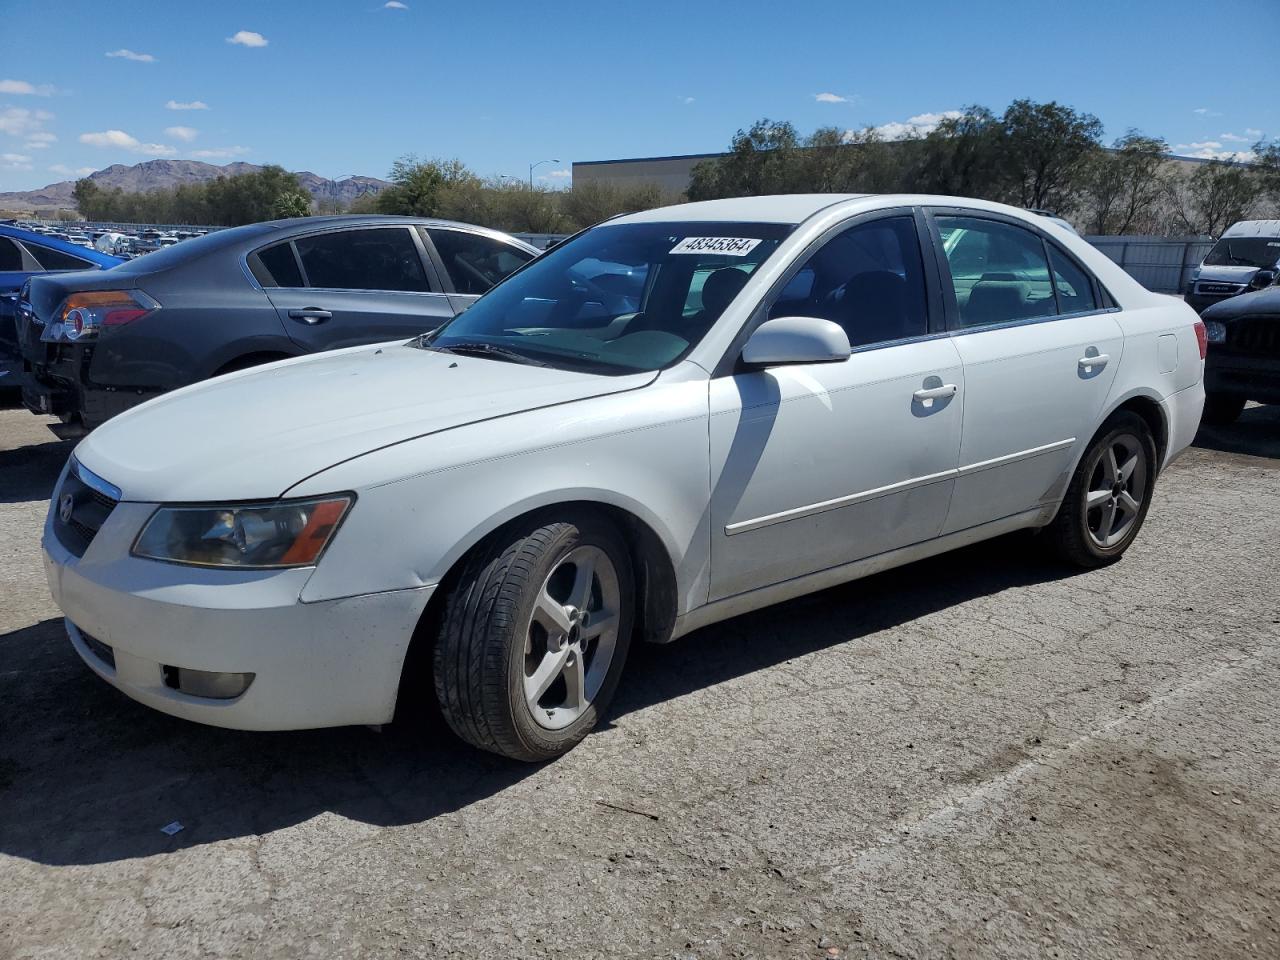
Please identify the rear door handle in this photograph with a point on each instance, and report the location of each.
(1098, 360)
(310, 315)
(930, 394)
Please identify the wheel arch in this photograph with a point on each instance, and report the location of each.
(1146, 405)
(651, 559)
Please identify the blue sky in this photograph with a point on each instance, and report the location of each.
(346, 86)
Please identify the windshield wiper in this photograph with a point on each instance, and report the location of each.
(480, 349)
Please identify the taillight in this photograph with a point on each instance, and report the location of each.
(82, 315)
(1202, 339)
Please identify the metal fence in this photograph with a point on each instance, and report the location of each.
(1161, 264)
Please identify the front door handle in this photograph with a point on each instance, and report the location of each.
(927, 395)
(1098, 360)
(310, 315)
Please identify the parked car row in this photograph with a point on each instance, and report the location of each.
(96, 344)
(1236, 293)
(666, 420)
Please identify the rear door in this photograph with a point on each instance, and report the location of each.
(1040, 352)
(12, 274)
(470, 263)
(341, 288)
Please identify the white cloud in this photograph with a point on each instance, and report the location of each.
(830, 98)
(1206, 112)
(395, 5)
(915, 127)
(1211, 150)
(1252, 132)
(188, 105)
(220, 153)
(1233, 138)
(21, 122)
(45, 138)
(556, 175)
(120, 140)
(85, 171)
(127, 54)
(23, 88)
(185, 134)
(61, 168)
(15, 161)
(247, 38)
(686, 100)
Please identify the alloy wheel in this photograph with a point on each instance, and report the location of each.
(571, 637)
(1117, 487)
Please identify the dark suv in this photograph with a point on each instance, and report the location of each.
(1243, 362)
(95, 344)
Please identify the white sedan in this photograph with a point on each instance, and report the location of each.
(670, 419)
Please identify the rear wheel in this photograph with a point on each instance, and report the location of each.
(1221, 409)
(535, 635)
(1107, 499)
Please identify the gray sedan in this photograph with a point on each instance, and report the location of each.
(97, 343)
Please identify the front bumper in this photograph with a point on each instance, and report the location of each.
(330, 663)
(1252, 377)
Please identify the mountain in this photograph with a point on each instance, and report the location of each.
(162, 174)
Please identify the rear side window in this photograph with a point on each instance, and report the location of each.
(474, 262)
(1072, 285)
(10, 256)
(277, 267)
(373, 259)
(52, 259)
(999, 271)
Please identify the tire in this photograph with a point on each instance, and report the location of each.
(1221, 409)
(1090, 536)
(502, 640)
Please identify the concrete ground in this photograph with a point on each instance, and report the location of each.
(983, 755)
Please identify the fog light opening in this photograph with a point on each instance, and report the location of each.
(204, 683)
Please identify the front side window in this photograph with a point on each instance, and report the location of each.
(474, 262)
(617, 299)
(382, 258)
(868, 279)
(999, 271)
(52, 259)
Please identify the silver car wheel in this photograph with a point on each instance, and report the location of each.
(1116, 490)
(570, 637)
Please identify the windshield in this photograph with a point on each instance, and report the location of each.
(617, 299)
(1244, 252)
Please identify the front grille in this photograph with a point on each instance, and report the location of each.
(79, 511)
(1258, 336)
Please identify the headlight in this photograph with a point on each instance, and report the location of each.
(280, 533)
(1215, 332)
(82, 315)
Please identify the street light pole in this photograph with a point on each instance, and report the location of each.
(532, 166)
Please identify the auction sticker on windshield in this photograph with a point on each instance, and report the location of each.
(725, 246)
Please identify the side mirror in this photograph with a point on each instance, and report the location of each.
(795, 340)
(1263, 278)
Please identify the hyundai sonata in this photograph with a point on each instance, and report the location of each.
(670, 419)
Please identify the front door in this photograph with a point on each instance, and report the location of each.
(817, 465)
(363, 285)
(1039, 357)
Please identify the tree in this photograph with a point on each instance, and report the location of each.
(1216, 195)
(292, 204)
(962, 156)
(1045, 152)
(88, 196)
(1124, 185)
(761, 160)
(419, 186)
(1267, 167)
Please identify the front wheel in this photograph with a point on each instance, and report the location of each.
(535, 635)
(1107, 499)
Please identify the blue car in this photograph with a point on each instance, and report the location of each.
(25, 254)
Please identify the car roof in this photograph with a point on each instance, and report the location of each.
(1253, 228)
(53, 243)
(796, 208)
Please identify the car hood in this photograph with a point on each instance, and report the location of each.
(1265, 302)
(255, 434)
(1231, 273)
